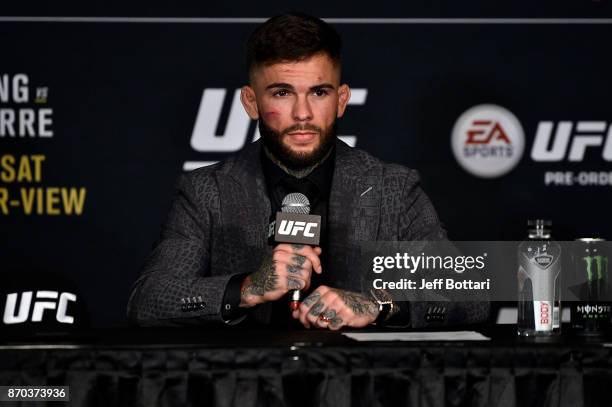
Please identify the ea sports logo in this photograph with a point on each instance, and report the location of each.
(488, 141)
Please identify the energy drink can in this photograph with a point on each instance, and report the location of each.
(591, 315)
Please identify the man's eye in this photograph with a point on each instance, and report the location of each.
(282, 92)
(320, 92)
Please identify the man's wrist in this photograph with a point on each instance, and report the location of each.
(377, 313)
(386, 307)
(247, 299)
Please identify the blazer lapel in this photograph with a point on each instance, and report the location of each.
(245, 209)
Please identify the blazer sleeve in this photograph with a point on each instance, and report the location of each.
(418, 221)
(176, 285)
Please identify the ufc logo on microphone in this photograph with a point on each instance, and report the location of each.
(293, 228)
(45, 300)
(297, 228)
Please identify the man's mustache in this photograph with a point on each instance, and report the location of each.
(302, 127)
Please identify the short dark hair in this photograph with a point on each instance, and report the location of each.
(292, 37)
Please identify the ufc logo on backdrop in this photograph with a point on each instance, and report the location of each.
(291, 228)
(204, 138)
(44, 300)
(584, 135)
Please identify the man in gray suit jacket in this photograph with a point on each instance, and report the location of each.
(213, 261)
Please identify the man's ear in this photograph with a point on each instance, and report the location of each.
(247, 97)
(344, 94)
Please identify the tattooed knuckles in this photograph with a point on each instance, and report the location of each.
(312, 306)
(308, 252)
(349, 309)
(288, 268)
(294, 270)
(333, 318)
(293, 263)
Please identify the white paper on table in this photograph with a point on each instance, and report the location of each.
(418, 336)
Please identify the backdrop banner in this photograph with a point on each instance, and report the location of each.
(504, 121)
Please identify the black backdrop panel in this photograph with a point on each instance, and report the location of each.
(124, 99)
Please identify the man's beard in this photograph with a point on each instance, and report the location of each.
(294, 160)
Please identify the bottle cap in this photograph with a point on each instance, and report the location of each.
(539, 222)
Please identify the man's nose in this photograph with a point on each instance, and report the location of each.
(301, 109)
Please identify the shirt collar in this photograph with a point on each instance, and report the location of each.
(321, 176)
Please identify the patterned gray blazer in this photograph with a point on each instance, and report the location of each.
(218, 223)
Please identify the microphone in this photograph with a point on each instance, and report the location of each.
(294, 224)
(295, 203)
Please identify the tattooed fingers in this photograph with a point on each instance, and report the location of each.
(312, 254)
(289, 267)
(333, 308)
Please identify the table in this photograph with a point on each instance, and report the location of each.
(237, 367)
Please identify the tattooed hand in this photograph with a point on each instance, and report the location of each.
(338, 308)
(288, 268)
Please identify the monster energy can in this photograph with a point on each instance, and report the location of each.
(591, 315)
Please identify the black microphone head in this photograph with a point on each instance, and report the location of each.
(296, 203)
